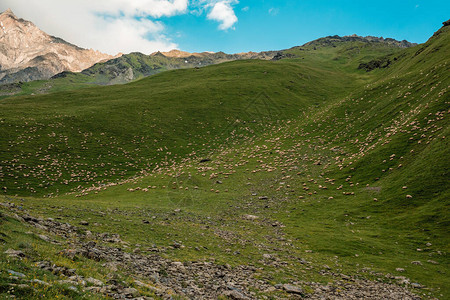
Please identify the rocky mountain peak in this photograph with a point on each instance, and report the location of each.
(9, 16)
(28, 53)
(8, 12)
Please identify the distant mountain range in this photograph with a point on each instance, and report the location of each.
(27, 54)
(137, 65)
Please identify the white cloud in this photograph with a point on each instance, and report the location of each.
(222, 12)
(110, 26)
(154, 8)
(113, 26)
(274, 11)
(132, 35)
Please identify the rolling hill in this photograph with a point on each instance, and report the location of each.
(323, 173)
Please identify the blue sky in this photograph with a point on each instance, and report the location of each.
(226, 25)
(269, 25)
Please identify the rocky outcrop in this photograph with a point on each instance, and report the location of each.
(375, 64)
(27, 53)
(331, 40)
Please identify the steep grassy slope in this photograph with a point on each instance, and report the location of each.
(387, 144)
(392, 129)
(312, 170)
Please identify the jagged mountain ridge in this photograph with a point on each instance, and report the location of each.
(180, 54)
(23, 61)
(329, 40)
(136, 65)
(217, 55)
(27, 53)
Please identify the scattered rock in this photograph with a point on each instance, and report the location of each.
(177, 245)
(70, 253)
(94, 281)
(14, 273)
(131, 292)
(40, 282)
(14, 253)
(44, 237)
(72, 288)
(147, 286)
(270, 289)
(292, 289)
(416, 285)
(251, 217)
(235, 295)
(21, 286)
(211, 280)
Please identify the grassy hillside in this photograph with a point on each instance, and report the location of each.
(307, 171)
(110, 133)
(135, 66)
(124, 69)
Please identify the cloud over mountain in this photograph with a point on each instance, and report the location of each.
(114, 26)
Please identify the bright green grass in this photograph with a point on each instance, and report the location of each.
(120, 70)
(102, 134)
(313, 120)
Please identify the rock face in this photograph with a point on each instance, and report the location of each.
(27, 53)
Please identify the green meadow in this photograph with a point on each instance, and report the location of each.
(305, 168)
